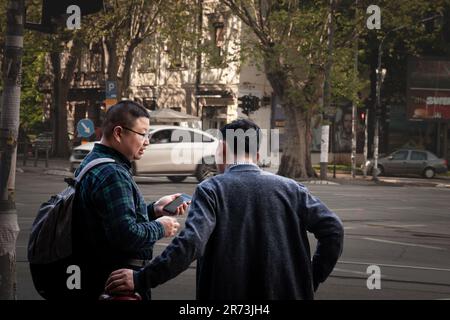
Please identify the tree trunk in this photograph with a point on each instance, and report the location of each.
(296, 158)
(9, 128)
(124, 72)
(119, 71)
(111, 59)
(60, 91)
(55, 59)
(61, 87)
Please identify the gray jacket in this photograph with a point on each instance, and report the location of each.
(248, 230)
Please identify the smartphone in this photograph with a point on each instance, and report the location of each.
(171, 207)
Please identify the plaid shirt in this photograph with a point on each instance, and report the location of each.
(117, 224)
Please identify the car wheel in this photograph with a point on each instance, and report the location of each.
(428, 173)
(204, 171)
(176, 179)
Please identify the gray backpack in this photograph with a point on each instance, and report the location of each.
(51, 233)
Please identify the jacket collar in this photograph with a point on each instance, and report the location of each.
(242, 167)
(113, 153)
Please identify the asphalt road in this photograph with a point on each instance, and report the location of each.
(405, 231)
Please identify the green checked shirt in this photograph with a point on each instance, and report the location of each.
(115, 222)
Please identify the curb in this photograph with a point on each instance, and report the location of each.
(56, 172)
(322, 182)
(51, 171)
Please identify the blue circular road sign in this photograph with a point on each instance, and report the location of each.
(85, 128)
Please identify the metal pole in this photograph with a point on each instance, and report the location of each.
(354, 113)
(377, 112)
(9, 127)
(198, 66)
(334, 147)
(327, 94)
(366, 142)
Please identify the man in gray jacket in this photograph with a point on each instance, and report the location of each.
(247, 228)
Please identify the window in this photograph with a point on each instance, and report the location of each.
(150, 103)
(198, 137)
(400, 155)
(162, 136)
(180, 135)
(418, 156)
(217, 29)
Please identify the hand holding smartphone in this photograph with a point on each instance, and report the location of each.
(172, 206)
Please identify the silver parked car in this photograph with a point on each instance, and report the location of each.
(175, 152)
(410, 161)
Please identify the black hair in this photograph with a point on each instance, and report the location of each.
(124, 114)
(243, 133)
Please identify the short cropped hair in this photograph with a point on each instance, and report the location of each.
(242, 133)
(124, 114)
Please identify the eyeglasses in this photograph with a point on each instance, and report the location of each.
(143, 135)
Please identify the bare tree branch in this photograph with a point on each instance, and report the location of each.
(242, 12)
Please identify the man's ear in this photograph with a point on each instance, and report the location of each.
(117, 134)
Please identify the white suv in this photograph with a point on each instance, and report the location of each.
(175, 152)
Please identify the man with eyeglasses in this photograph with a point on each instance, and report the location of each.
(112, 225)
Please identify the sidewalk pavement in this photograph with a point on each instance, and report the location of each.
(56, 166)
(61, 167)
(407, 181)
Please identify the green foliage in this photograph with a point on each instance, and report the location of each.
(31, 112)
(289, 43)
(31, 108)
(404, 35)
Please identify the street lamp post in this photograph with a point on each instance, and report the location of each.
(381, 73)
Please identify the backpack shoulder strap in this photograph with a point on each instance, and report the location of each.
(91, 165)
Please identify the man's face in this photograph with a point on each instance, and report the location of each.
(132, 143)
(347, 121)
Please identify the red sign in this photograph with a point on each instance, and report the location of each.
(428, 104)
(428, 88)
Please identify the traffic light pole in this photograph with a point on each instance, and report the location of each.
(366, 142)
(9, 128)
(377, 112)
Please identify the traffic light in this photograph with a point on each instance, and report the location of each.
(242, 99)
(53, 10)
(362, 116)
(249, 104)
(255, 103)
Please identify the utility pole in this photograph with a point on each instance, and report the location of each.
(354, 102)
(198, 60)
(9, 128)
(377, 110)
(325, 134)
(380, 77)
(366, 141)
